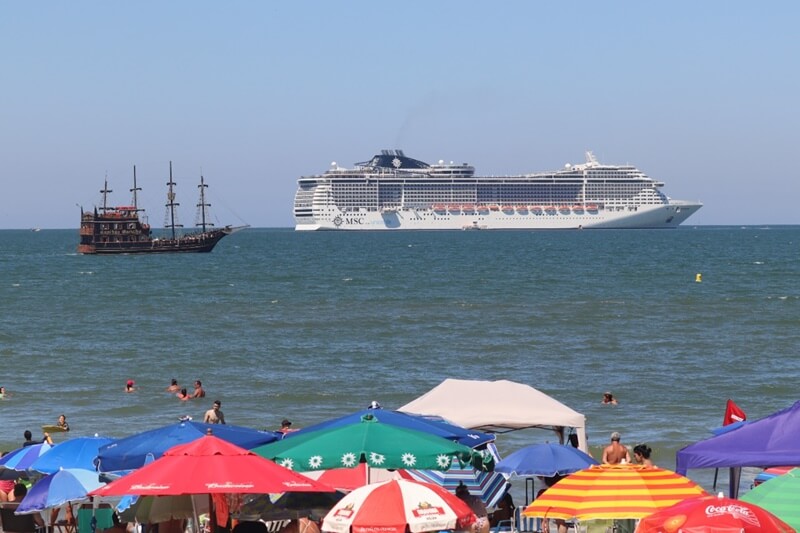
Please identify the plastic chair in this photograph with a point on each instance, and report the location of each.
(13, 523)
(519, 524)
(102, 518)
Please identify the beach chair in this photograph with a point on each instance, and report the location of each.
(103, 518)
(518, 524)
(13, 523)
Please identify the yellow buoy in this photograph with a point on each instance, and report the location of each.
(698, 278)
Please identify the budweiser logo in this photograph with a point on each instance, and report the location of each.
(229, 485)
(149, 486)
(739, 512)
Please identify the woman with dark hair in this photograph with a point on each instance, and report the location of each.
(641, 454)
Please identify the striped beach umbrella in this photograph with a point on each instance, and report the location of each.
(780, 496)
(21, 459)
(613, 492)
(488, 486)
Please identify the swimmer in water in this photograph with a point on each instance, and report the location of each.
(608, 398)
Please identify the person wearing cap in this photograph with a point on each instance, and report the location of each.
(214, 415)
(286, 426)
(615, 453)
(129, 386)
(374, 405)
(608, 399)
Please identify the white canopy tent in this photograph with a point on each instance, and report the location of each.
(497, 406)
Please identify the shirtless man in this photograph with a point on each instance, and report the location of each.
(173, 387)
(615, 453)
(214, 415)
(198, 390)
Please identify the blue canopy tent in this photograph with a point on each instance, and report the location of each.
(770, 441)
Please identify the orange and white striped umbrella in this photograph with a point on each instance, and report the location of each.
(613, 491)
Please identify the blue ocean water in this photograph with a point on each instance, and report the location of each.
(313, 325)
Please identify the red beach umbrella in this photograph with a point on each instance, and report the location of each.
(398, 506)
(210, 465)
(713, 513)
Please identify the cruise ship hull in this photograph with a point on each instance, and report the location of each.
(395, 192)
(643, 217)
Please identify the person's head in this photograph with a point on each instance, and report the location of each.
(174, 382)
(642, 451)
(285, 423)
(62, 419)
(28, 435)
(374, 405)
(507, 501)
(20, 490)
(197, 384)
(608, 397)
(217, 405)
(462, 490)
(130, 384)
(183, 392)
(615, 437)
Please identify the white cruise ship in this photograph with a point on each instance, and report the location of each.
(393, 191)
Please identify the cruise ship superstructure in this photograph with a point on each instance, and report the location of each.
(394, 191)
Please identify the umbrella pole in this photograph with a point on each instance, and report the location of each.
(196, 517)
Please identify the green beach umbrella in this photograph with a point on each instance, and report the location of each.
(367, 441)
(780, 496)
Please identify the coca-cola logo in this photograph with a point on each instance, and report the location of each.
(738, 512)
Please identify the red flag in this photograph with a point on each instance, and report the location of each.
(733, 413)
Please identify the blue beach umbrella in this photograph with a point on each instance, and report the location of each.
(54, 490)
(545, 460)
(74, 453)
(133, 452)
(431, 425)
(20, 460)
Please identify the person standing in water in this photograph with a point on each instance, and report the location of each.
(615, 453)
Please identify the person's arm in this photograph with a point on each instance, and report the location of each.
(605, 455)
(206, 418)
(47, 439)
(221, 418)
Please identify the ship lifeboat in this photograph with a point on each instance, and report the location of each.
(468, 208)
(535, 208)
(439, 207)
(550, 209)
(522, 208)
(483, 208)
(454, 208)
(564, 208)
(508, 208)
(592, 208)
(494, 207)
(577, 208)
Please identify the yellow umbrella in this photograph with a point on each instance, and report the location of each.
(613, 492)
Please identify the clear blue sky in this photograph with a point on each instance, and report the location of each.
(702, 95)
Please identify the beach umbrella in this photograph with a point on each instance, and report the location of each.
(780, 496)
(155, 509)
(427, 424)
(20, 460)
(488, 486)
(54, 490)
(713, 513)
(288, 506)
(613, 491)
(133, 452)
(366, 441)
(545, 460)
(209, 465)
(74, 453)
(397, 506)
(345, 479)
